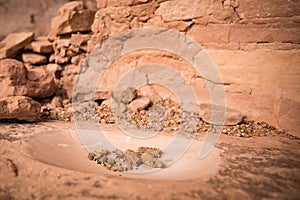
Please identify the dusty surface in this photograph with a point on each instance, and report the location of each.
(250, 168)
(255, 46)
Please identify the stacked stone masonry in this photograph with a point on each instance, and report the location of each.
(255, 45)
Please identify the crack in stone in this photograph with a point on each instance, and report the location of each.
(13, 166)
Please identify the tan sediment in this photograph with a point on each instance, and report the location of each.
(63, 148)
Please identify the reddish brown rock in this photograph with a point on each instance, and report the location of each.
(107, 102)
(40, 83)
(224, 12)
(61, 53)
(71, 6)
(103, 26)
(79, 39)
(210, 33)
(56, 102)
(264, 33)
(33, 58)
(68, 78)
(102, 93)
(233, 117)
(76, 60)
(70, 21)
(155, 21)
(262, 95)
(61, 60)
(40, 45)
(164, 92)
(53, 68)
(13, 43)
(60, 43)
(19, 107)
(17, 80)
(13, 78)
(183, 10)
(179, 25)
(139, 104)
(150, 92)
(144, 11)
(115, 3)
(101, 3)
(268, 8)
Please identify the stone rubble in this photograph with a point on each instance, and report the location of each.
(50, 64)
(18, 80)
(13, 43)
(40, 45)
(72, 18)
(120, 161)
(189, 122)
(34, 59)
(139, 104)
(19, 107)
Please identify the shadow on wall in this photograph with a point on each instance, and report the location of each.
(31, 15)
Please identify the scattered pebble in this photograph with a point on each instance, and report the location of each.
(120, 161)
(171, 121)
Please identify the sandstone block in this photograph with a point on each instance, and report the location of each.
(40, 45)
(232, 116)
(33, 58)
(68, 78)
(224, 14)
(76, 60)
(150, 92)
(144, 11)
(19, 107)
(139, 104)
(71, 6)
(17, 80)
(56, 102)
(61, 60)
(179, 25)
(183, 10)
(116, 3)
(13, 78)
(40, 83)
(61, 43)
(101, 94)
(71, 22)
(268, 8)
(79, 39)
(212, 33)
(101, 3)
(288, 115)
(263, 33)
(54, 69)
(13, 43)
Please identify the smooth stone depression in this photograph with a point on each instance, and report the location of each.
(64, 149)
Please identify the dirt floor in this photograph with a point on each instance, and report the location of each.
(243, 168)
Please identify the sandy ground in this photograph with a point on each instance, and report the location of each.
(46, 161)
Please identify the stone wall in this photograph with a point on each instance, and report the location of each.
(255, 45)
(30, 15)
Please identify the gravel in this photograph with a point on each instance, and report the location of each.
(120, 161)
(166, 116)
